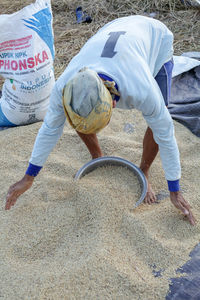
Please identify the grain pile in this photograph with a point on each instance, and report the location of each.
(72, 240)
(62, 242)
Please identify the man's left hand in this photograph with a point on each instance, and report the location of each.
(180, 203)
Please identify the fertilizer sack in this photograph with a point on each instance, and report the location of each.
(26, 63)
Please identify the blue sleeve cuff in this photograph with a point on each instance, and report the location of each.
(173, 186)
(33, 170)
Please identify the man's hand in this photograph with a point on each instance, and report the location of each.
(150, 195)
(17, 189)
(180, 203)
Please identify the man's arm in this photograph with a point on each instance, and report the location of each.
(50, 131)
(92, 144)
(46, 139)
(150, 149)
(91, 141)
(161, 124)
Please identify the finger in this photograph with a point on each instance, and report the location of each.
(149, 201)
(150, 198)
(10, 200)
(184, 207)
(181, 207)
(153, 198)
(146, 199)
(184, 210)
(187, 212)
(7, 206)
(191, 218)
(10, 203)
(13, 202)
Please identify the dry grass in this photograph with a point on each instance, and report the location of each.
(70, 37)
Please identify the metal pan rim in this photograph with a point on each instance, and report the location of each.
(114, 160)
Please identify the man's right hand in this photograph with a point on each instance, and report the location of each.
(17, 189)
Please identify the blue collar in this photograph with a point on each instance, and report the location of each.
(105, 77)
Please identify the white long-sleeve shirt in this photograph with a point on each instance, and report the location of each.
(131, 50)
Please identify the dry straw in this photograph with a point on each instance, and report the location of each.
(70, 36)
